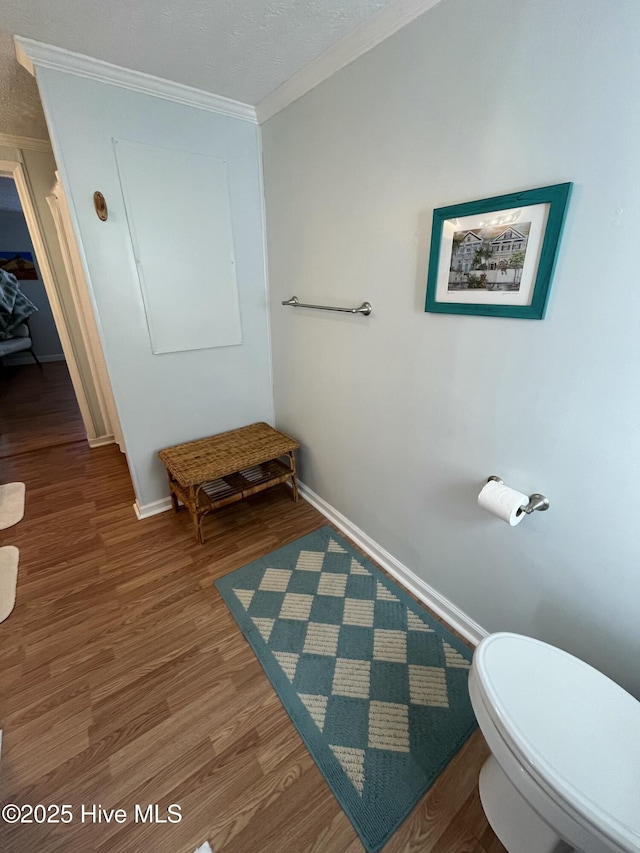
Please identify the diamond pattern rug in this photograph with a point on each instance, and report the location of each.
(376, 687)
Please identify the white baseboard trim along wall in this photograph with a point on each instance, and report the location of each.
(101, 441)
(28, 359)
(451, 614)
(154, 508)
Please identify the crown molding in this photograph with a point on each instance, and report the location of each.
(7, 140)
(34, 54)
(376, 29)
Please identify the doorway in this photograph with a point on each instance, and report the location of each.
(39, 408)
(49, 227)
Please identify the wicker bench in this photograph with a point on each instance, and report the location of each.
(213, 472)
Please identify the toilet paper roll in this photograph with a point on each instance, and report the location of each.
(503, 502)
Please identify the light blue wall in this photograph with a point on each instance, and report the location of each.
(403, 415)
(173, 397)
(14, 236)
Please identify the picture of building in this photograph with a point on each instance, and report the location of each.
(488, 258)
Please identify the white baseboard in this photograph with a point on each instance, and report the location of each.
(448, 611)
(56, 357)
(28, 359)
(154, 508)
(101, 440)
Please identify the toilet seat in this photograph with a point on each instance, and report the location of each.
(570, 728)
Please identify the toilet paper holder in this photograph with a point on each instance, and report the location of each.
(536, 500)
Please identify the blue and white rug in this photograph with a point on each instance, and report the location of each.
(376, 687)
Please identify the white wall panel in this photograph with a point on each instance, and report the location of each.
(179, 213)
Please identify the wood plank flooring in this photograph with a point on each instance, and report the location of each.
(28, 393)
(124, 680)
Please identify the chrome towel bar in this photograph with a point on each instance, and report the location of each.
(294, 302)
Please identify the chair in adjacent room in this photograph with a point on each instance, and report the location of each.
(20, 340)
(15, 309)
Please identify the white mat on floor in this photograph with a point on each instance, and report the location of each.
(8, 579)
(11, 504)
(205, 848)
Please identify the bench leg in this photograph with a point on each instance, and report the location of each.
(197, 521)
(196, 514)
(172, 495)
(294, 478)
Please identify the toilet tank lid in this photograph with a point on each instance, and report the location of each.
(578, 729)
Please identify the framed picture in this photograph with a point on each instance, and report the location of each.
(496, 256)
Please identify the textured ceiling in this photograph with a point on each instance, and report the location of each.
(241, 49)
(20, 108)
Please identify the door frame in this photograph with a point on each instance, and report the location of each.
(85, 316)
(16, 169)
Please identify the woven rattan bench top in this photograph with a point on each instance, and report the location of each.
(207, 459)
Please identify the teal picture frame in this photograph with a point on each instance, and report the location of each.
(495, 257)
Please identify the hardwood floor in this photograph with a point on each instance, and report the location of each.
(124, 680)
(46, 396)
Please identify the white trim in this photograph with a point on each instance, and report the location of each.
(34, 54)
(18, 170)
(9, 141)
(444, 608)
(376, 29)
(27, 199)
(265, 267)
(154, 508)
(28, 359)
(87, 325)
(448, 611)
(101, 441)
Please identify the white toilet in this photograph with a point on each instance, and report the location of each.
(564, 773)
